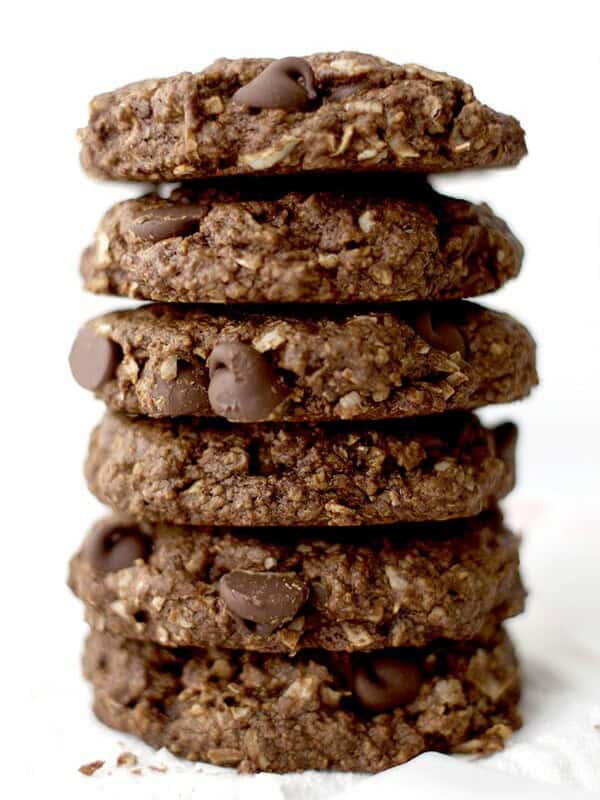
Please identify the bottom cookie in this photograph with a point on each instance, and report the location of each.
(355, 713)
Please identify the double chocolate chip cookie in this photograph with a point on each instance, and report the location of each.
(328, 112)
(322, 365)
(334, 240)
(317, 710)
(283, 591)
(201, 473)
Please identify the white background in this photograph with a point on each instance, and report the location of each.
(538, 61)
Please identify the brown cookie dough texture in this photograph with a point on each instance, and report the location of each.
(354, 239)
(358, 713)
(320, 366)
(369, 115)
(275, 591)
(200, 473)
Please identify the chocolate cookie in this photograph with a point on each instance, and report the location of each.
(168, 361)
(327, 112)
(273, 591)
(201, 473)
(339, 240)
(358, 713)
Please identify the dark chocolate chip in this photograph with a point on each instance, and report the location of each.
(93, 358)
(383, 682)
(185, 394)
(506, 436)
(277, 86)
(243, 387)
(442, 335)
(267, 598)
(340, 665)
(165, 223)
(111, 547)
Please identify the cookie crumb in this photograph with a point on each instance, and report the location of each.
(127, 759)
(89, 769)
(136, 771)
(158, 768)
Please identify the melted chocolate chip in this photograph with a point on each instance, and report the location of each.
(165, 223)
(111, 547)
(442, 335)
(93, 359)
(277, 86)
(243, 387)
(186, 394)
(383, 682)
(267, 598)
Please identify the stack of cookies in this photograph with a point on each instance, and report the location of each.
(306, 567)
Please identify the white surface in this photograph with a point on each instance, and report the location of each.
(537, 61)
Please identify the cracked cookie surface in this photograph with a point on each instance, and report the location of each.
(362, 589)
(369, 115)
(209, 473)
(340, 239)
(273, 713)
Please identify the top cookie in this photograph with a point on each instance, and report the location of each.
(328, 112)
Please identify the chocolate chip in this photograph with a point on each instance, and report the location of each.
(243, 387)
(267, 598)
(111, 547)
(165, 223)
(383, 682)
(186, 394)
(93, 359)
(277, 86)
(340, 665)
(443, 335)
